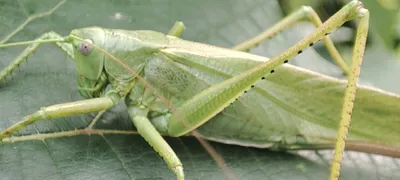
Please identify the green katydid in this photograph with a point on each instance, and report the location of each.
(164, 61)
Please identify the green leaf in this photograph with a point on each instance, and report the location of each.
(49, 78)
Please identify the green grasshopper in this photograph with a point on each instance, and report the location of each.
(218, 93)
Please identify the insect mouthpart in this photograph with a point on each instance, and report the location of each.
(91, 88)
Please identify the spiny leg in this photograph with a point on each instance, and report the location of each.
(307, 13)
(153, 137)
(350, 92)
(65, 47)
(205, 105)
(213, 100)
(63, 110)
(351, 88)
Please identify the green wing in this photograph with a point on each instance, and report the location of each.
(290, 107)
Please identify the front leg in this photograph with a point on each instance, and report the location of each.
(63, 110)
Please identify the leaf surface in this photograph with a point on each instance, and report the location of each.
(49, 78)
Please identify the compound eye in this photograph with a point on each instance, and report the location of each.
(85, 48)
